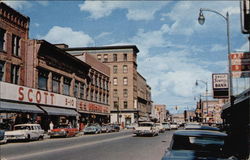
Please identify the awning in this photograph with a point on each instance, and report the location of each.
(59, 111)
(19, 107)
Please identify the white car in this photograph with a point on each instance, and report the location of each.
(25, 132)
(160, 127)
(146, 128)
(166, 126)
(174, 126)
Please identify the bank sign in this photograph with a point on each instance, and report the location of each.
(14, 92)
(220, 85)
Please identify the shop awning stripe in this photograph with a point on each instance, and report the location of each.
(59, 111)
(19, 107)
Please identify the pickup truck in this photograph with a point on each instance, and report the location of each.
(146, 128)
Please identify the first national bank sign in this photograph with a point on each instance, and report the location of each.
(24, 94)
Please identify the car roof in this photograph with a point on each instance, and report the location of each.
(199, 133)
(147, 122)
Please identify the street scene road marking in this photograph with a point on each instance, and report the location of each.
(26, 156)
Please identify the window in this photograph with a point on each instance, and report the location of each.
(76, 89)
(100, 97)
(2, 39)
(82, 90)
(115, 68)
(125, 93)
(14, 74)
(125, 57)
(56, 83)
(125, 104)
(96, 81)
(115, 93)
(116, 105)
(15, 45)
(91, 95)
(96, 96)
(42, 80)
(99, 57)
(66, 86)
(115, 81)
(114, 57)
(125, 69)
(125, 81)
(2, 68)
(103, 99)
(105, 58)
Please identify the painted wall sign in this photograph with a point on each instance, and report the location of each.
(14, 92)
(92, 107)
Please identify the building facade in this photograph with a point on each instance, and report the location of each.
(122, 61)
(159, 111)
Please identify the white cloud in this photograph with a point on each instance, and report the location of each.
(217, 47)
(66, 35)
(143, 10)
(18, 4)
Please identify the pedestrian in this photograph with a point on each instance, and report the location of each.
(51, 125)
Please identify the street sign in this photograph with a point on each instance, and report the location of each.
(220, 85)
(240, 64)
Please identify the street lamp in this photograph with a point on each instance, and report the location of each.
(201, 20)
(196, 83)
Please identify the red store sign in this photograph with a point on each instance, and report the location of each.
(91, 107)
(24, 94)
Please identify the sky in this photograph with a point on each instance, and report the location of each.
(175, 50)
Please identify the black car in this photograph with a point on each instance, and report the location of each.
(197, 144)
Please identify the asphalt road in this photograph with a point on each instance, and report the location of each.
(113, 146)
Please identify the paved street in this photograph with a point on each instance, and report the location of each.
(123, 146)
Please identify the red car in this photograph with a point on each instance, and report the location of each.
(63, 131)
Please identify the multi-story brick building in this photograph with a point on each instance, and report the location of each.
(122, 61)
(14, 31)
(159, 111)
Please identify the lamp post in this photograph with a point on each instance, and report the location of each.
(196, 83)
(201, 20)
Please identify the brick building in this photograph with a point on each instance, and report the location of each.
(122, 61)
(159, 111)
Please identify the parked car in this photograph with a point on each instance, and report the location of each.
(146, 128)
(197, 144)
(200, 127)
(132, 126)
(166, 126)
(25, 132)
(94, 128)
(173, 125)
(106, 128)
(159, 126)
(63, 131)
(3, 138)
(115, 127)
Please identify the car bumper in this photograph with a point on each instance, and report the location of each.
(16, 138)
(57, 134)
(144, 132)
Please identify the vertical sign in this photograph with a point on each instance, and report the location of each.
(240, 65)
(220, 85)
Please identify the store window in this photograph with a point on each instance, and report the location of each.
(2, 39)
(125, 93)
(115, 81)
(105, 58)
(125, 104)
(115, 68)
(56, 83)
(15, 45)
(125, 69)
(2, 69)
(14, 74)
(125, 57)
(114, 57)
(42, 80)
(125, 81)
(66, 86)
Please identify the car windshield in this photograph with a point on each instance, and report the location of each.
(146, 124)
(198, 143)
(21, 128)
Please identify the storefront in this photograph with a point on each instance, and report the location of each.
(21, 104)
(91, 112)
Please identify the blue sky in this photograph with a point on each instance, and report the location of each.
(175, 50)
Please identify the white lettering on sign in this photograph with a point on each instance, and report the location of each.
(24, 94)
(220, 81)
